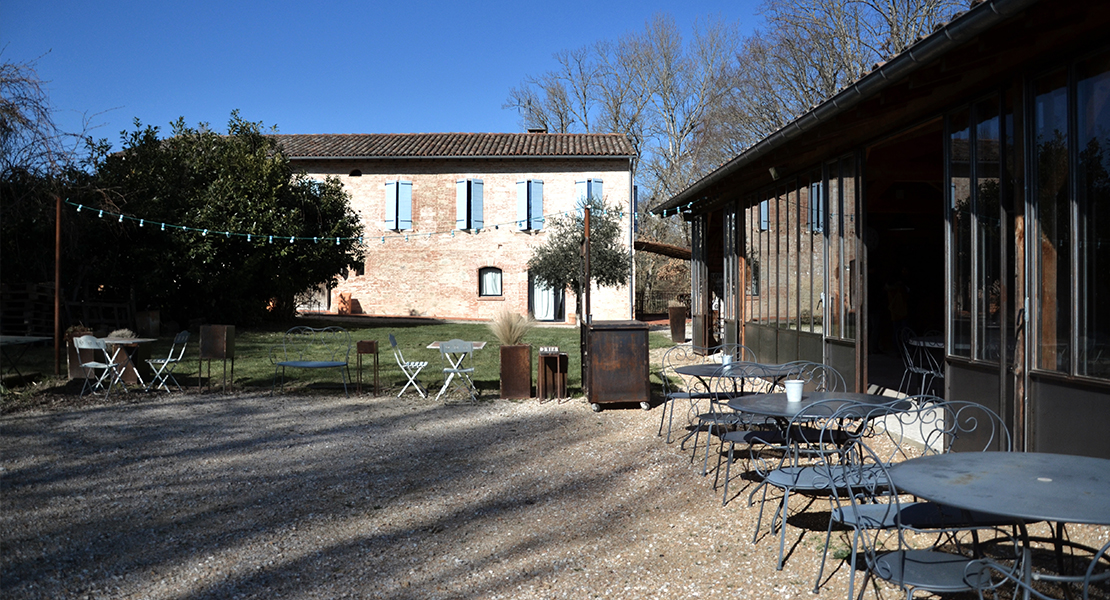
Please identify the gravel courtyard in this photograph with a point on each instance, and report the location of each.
(195, 496)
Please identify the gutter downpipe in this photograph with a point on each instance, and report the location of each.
(976, 21)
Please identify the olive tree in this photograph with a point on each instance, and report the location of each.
(559, 262)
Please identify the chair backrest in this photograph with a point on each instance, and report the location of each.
(397, 351)
(906, 350)
(735, 352)
(456, 347)
(676, 356)
(179, 342)
(818, 377)
(91, 342)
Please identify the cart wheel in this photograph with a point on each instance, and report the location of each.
(645, 405)
(596, 407)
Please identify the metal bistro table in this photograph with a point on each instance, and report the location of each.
(1029, 486)
(777, 406)
(128, 346)
(23, 342)
(706, 372)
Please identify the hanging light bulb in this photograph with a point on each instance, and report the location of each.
(101, 215)
(141, 221)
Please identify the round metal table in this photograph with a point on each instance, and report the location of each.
(1028, 486)
(776, 405)
(1032, 486)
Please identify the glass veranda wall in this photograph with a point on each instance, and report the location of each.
(800, 252)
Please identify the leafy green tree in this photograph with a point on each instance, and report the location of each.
(245, 234)
(559, 261)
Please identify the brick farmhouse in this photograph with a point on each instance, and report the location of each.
(450, 219)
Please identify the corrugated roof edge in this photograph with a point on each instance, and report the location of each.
(957, 31)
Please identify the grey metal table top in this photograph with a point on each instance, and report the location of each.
(736, 370)
(776, 405)
(1032, 486)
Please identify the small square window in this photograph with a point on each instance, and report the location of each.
(489, 281)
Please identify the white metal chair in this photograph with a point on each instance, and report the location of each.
(163, 367)
(101, 361)
(456, 354)
(411, 369)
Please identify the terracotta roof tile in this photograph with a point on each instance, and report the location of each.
(454, 145)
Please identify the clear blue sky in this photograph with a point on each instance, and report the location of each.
(312, 67)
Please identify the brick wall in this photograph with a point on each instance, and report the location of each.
(433, 273)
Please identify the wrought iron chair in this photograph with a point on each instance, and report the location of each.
(102, 361)
(915, 426)
(922, 546)
(164, 367)
(718, 418)
(818, 377)
(411, 369)
(811, 441)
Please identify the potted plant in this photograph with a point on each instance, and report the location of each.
(516, 356)
(676, 311)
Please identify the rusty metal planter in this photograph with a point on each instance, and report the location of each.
(516, 371)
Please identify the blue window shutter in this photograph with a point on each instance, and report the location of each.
(595, 190)
(816, 208)
(535, 205)
(522, 205)
(581, 191)
(404, 205)
(391, 205)
(462, 199)
(476, 204)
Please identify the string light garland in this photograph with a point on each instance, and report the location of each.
(250, 237)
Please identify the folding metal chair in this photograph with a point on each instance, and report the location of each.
(163, 367)
(411, 368)
(455, 354)
(111, 369)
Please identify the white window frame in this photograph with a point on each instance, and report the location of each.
(487, 277)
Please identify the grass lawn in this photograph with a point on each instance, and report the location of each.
(253, 369)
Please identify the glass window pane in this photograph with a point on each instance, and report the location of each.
(805, 258)
(959, 187)
(1052, 254)
(835, 293)
(489, 281)
(988, 293)
(848, 201)
(790, 256)
(1093, 195)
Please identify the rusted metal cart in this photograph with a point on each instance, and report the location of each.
(618, 369)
